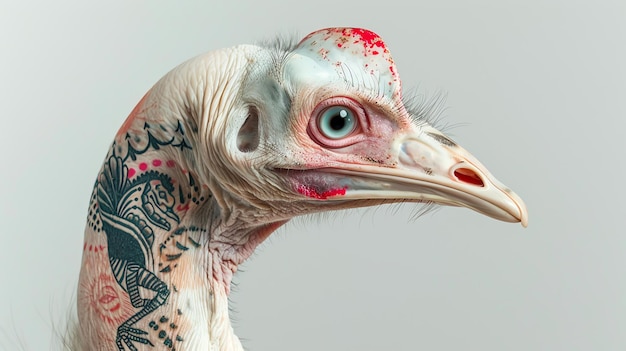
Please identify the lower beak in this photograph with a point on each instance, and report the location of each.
(431, 168)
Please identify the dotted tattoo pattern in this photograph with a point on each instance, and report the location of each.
(132, 198)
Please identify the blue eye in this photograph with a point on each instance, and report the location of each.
(337, 122)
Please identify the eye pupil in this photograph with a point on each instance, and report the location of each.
(337, 122)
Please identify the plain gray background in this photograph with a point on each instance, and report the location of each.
(537, 87)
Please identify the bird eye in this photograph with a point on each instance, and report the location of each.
(337, 122)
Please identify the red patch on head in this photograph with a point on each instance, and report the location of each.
(369, 39)
(344, 37)
(354, 47)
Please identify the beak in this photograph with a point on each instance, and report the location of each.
(432, 168)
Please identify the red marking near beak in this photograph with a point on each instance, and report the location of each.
(312, 193)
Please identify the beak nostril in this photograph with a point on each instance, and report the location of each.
(466, 175)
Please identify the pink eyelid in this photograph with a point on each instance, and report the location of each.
(357, 134)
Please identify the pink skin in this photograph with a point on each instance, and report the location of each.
(130, 120)
(368, 144)
(363, 51)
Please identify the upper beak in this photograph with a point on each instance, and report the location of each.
(432, 168)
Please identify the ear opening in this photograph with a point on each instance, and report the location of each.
(248, 137)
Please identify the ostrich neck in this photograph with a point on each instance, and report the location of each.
(176, 234)
(199, 305)
(160, 246)
(195, 315)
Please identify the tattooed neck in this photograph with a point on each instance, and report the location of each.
(158, 259)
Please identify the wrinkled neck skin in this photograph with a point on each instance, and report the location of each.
(162, 243)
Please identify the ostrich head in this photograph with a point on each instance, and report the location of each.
(324, 127)
(241, 140)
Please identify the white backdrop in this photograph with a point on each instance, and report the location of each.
(538, 86)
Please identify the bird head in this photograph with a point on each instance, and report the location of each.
(324, 126)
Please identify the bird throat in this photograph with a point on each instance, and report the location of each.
(157, 263)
